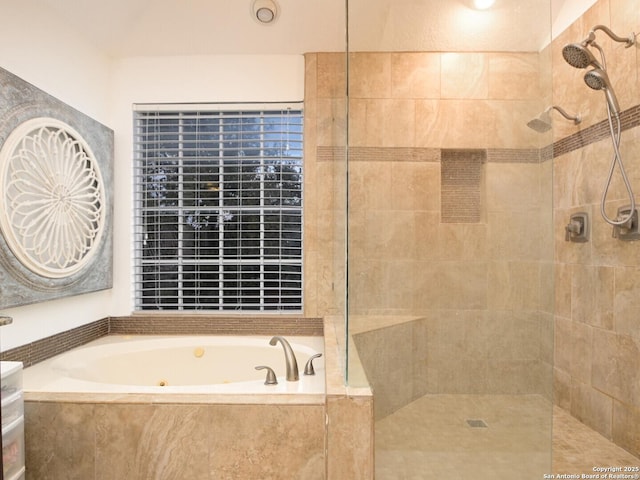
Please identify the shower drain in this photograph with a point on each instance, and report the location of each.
(477, 423)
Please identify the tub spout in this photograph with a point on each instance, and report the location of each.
(290, 358)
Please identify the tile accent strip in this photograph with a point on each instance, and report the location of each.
(45, 348)
(378, 154)
(630, 118)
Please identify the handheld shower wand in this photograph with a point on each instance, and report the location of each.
(578, 55)
(598, 79)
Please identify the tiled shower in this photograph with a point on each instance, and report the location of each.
(460, 281)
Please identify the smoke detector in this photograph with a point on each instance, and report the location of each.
(265, 11)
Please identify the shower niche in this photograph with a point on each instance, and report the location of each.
(55, 197)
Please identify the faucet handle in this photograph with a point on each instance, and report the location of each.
(271, 376)
(308, 368)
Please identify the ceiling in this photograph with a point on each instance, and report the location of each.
(128, 28)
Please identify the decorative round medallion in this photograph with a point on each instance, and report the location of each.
(52, 200)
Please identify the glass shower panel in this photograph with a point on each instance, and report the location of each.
(450, 240)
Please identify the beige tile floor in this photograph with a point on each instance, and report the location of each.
(431, 439)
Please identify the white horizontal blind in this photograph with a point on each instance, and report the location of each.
(218, 212)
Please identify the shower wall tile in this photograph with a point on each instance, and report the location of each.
(510, 119)
(464, 123)
(562, 284)
(624, 416)
(596, 309)
(465, 75)
(370, 185)
(450, 285)
(513, 187)
(521, 241)
(370, 75)
(429, 127)
(604, 337)
(513, 285)
(612, 352)
(331, 121)
(331, 78)
(592, 407)
(415, 75)
(562, 389)
(415, 186)
(581, 345)
(514, 76)
(627, 301)
(405, 108)
(563, 344)
(458, 241)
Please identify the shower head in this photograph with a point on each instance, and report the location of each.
(579, 56)
(599, 80)
(542, 123)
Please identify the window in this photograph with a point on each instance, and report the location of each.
(218, 212)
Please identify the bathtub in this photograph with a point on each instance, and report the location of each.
(165, 407)
(176, 365)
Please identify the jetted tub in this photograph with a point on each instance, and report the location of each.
(173, 407)
(177, 365)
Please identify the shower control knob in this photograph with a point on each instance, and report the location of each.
(573, 228)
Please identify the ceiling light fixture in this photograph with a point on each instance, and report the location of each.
(265, 11)
(483, 4)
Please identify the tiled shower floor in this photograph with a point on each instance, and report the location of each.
(431, 438)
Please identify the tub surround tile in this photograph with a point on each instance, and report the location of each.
(350, 437)
(151, 441)
(58, 436)
(162, 325)
(266, 442)
(43, 349)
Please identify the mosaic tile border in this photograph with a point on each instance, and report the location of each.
(41, 350)
(629, 118)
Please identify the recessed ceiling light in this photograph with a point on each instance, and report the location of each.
(265, 11)
(483, 4)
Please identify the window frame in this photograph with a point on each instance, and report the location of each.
(273, 266)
